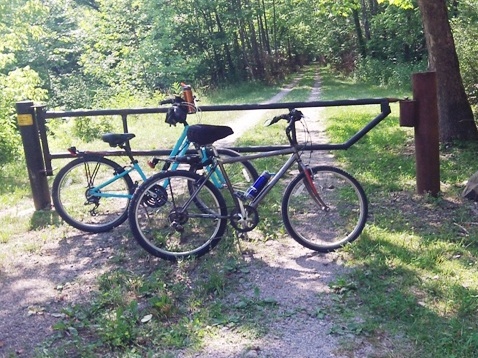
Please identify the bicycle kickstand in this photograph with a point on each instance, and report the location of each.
(240, 236)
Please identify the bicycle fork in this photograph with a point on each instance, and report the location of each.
(310, 186)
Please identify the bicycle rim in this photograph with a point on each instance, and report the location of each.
(167, 228)
(73, 202)
(325, 230)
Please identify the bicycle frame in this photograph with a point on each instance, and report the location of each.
(96, 191)
(219, 162)
(180, 148)
(295, 157)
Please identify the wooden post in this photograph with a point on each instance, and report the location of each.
(426, 133)
(33, 155)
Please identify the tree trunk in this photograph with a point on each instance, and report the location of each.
(358, 32)
(365, 20)
(232, 68)
(266, 28)
(218, 74)
(455, 113)
(243, 40)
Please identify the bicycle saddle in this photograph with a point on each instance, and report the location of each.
(115, 140)
(203, 134)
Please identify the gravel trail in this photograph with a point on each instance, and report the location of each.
(36, 285)
(283, 271)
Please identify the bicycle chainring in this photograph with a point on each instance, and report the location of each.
(247, 223)
(155, 197)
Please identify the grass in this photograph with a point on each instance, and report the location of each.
(411, 289)
(415, 264)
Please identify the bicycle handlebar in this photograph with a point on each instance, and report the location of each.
(294, 115)
(175, 100)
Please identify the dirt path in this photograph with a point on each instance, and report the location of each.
(37, 283)
(287, 273)
(250, 118)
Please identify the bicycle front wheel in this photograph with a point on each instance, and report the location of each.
(325, 229)
(167, 221)
(82, 207)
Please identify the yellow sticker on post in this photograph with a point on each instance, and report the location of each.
(25, 119)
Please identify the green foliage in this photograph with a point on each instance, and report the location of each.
(112, 53)
(397, 35)
(405, 4)
(16, 85)
(387, 72)
(18, 81)
(89, 53)
(97, 54)
(465, 32)
(88, 129)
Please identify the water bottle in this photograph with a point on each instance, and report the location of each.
(258, 185)
(189, 98)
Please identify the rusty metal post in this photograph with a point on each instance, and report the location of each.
(426, 133)
(33, 155)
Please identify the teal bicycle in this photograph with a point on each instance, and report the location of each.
(92, 193)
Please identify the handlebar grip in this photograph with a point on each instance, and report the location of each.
(167, 101)
(278, 118)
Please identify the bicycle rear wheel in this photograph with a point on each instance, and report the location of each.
(75, 203)
(319, 229)
(166, 227)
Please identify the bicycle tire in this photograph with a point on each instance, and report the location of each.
(315, 228)
(71, 201)
(166, 232)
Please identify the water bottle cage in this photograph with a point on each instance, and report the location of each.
(258, 185)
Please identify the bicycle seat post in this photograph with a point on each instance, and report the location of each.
(127, 149)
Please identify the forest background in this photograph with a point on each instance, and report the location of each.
(126, 53)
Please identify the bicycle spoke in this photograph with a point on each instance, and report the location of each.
(325, 228)
(179, 227)
(83, 208)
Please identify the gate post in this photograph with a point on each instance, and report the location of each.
(33, 155)
(427, 143)
(422, 114)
